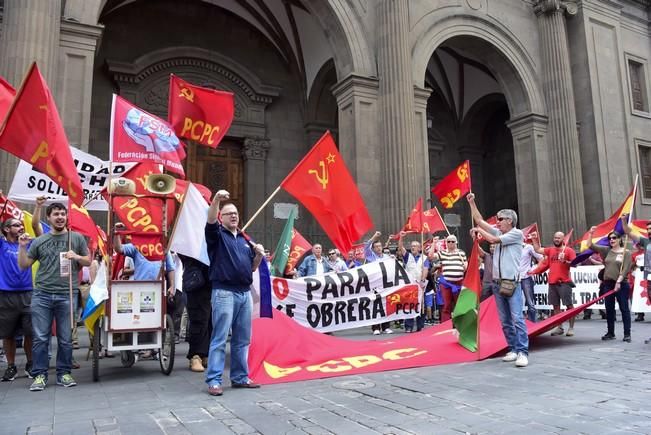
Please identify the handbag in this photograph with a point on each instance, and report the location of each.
(506, 286)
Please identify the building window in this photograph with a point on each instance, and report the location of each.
(645, 169)
(637, 79)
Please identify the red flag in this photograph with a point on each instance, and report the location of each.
(433, 222)
(201, 114)
(9, 210)
(32, 131)
(530, 233)
(299, 247)
(7, 94)
(80, 221)
(455, 185)
(322, 183)
(138, 136)
(415, 219)
(182, 187)
(472, 280)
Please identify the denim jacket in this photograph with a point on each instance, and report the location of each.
(308, 266)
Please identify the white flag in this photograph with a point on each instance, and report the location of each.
(189, 236)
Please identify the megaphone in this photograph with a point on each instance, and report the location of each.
(161, 184)
(122, 186)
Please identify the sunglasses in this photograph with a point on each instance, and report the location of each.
(451, 241)
(332, 253)
(500, 219)
(613, 238)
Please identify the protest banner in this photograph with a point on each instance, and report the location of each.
(30, 183)
(587, 289)
(373, 293)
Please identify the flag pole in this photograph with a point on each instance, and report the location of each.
(630, 214)
(441, 217)
(261, 208)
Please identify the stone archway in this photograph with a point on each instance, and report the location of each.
(515, 71)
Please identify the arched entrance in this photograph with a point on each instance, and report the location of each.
(485, 107)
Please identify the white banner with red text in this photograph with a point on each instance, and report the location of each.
(367, 295)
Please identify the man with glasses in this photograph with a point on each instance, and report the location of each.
(233, 259)
(506, 262)
(335, 262)
(15, 299)
(313, 264)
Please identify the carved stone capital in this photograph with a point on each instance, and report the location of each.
(542, 7)
(255, 148)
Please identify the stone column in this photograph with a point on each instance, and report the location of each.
(254, 154)
(562, 137)
(421, 95)
(397, 122)
(357, 98)
(536, 201)
(30, 32)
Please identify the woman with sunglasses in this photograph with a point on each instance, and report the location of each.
(617, 265)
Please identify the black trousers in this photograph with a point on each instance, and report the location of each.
(199, 327)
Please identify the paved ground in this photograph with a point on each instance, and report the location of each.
(573, 385)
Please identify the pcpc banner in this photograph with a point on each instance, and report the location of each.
(366, 295)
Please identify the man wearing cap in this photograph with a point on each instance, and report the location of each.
(453, 264)
(506, 266)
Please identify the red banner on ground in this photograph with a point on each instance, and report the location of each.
(201, 114)
(284, 351)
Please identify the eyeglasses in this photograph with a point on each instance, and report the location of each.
(16, 225)
(451, 241)
(613, 238)
(230, 213)
(500, 219)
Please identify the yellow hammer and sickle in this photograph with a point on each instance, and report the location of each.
(394, 299)
(452, 197)
(323, 177)
(187, 94)
(462, 172)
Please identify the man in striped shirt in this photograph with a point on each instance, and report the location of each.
(453, 264)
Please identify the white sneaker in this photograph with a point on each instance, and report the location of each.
(522, 360)
(558, 331)
(376, 332)
(510, 357)
(388, 331)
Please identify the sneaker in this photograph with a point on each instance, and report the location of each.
(39, 384)
(608, 336)
(28, 370)
(510, 357)
(376, 332)
(570, 332)
(639, 317)
(10, 373)
(558, 331)
(522, 360)
(75, 364)
(196, 365)
(66, 380)
(388, 331)
(627, 338)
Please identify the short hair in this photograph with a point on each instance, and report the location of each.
(55, 206)
(374, 243)
(509, 214)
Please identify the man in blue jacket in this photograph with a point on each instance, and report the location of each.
(314, 264)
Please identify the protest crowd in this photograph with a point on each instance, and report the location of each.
(49, 262)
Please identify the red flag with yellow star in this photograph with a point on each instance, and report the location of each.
(322, 183)
(454, 186)
(201, 114)
(32, 131)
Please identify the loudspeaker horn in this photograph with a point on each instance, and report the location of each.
(122, 186)
(161, 184)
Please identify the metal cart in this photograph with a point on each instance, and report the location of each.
(136, 315)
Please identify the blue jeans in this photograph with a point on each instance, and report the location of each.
(513, 326)
(230, 311)
(527, 288)
(45, 308)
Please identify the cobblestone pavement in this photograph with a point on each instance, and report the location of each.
(572, 385)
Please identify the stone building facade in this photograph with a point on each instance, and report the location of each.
(548, 99)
